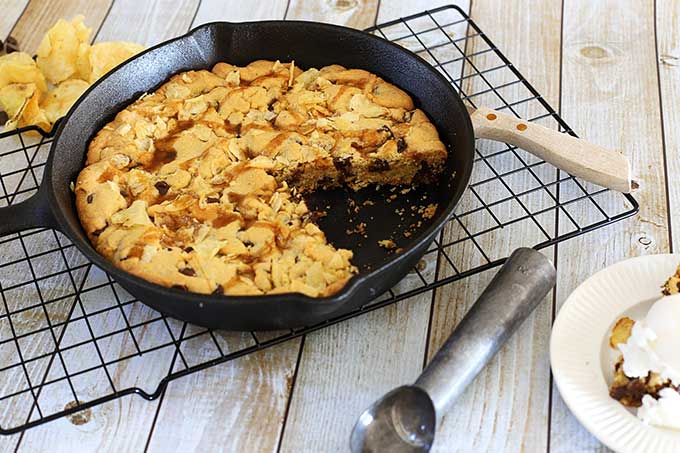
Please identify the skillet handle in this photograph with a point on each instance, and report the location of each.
(31, 213)
(573, 155)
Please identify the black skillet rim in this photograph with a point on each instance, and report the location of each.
(353, 284)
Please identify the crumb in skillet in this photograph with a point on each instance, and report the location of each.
(360, 229)
(387, 244)
(429, 211)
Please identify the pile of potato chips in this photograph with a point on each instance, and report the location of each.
(39, 92)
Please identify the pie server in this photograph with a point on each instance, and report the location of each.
(405, 419)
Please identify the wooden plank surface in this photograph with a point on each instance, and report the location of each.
(668, 35)
(243, 402)
(336, 378)
(350, 13)
(147, 22)
(11, 11)
(124, 424)
(239, 11)
(497, 413)
(346, 367)
(40, 15)
(609, 83)
(237, 406)
(35, 19)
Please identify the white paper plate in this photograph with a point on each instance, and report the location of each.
(582, 361)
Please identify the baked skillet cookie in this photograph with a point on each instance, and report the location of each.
(196, 185)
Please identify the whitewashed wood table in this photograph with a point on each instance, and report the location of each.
(612, 68)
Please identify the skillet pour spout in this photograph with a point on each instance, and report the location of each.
(310, 45)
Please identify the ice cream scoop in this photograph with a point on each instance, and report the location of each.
(405, 419)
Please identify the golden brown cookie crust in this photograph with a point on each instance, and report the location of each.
(190, 186)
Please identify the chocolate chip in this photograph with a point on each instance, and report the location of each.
(3, 117)
(425, 174)
(401, 145)
(386, 128)
(180, 287)
(343, 165)
(188, 249)
(379, 165)
(90, 198)
(212, 200)
(162, 187)
(295, 177)
(189, 272)
(219, 291)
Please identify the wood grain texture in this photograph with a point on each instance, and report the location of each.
(668, 35)
(40, 15)
(148, 22)
(393, 9)
(238, 406)
(609, 84)
(506, 409)
(346, 367)
(610, 96)
(239, 11)
(11, 11)
(351, 13)
(124, 424)
(36, 18)
(337, 377)
(119, 425)
(29, 324)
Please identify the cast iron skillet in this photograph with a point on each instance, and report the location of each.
(310, 45)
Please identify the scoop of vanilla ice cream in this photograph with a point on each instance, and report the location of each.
(654, 345)
(663, 412)
(664, 319)
(654, 342)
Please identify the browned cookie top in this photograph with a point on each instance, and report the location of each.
(191, 186)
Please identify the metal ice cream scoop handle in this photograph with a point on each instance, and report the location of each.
(404, 420)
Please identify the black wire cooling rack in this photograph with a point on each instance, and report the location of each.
(72, 338)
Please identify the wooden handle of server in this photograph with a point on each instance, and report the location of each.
(575, 156)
